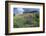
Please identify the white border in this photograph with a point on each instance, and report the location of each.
(12, 30)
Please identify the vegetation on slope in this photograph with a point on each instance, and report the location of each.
(26, 20)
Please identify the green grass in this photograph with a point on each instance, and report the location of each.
(26, 20)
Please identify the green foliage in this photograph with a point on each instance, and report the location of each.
(36, 19)
(21, 21)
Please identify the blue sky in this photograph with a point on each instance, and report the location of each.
(21, 10)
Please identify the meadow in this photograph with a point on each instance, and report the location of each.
(26, 20)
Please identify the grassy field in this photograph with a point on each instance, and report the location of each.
(26, 20)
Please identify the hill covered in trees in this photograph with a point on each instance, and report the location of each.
(26, 20)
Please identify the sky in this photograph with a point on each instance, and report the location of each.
(21, 10)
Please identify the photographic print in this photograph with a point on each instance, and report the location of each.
(24, 17)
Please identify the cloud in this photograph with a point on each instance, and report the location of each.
(18, 10)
